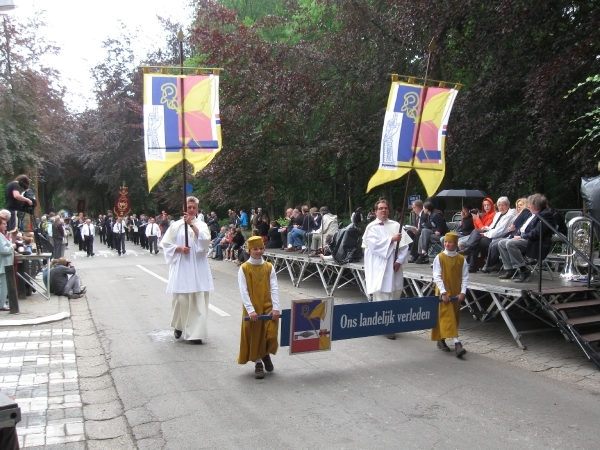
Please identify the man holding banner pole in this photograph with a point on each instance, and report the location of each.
(190, 279)
(383, 269)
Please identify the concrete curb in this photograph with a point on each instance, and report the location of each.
(37, 321)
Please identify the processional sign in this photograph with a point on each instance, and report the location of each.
(311, 325)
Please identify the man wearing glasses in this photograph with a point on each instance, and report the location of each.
(383, 265)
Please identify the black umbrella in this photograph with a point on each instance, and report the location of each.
(462, 193)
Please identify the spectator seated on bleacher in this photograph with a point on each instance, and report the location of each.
(493, 263)
(223, 244)
(302, 224)
(322, 236)
(275, 238)
(421, 218)
(480, 240)
(212, 248)
(465, 225)
(487, 214)
(526, 241)
(236, 243)
(433, 230)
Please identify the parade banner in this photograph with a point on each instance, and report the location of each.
(401, 149)
(122, 203)
(357, 320)
(310, 329)
(181, 117)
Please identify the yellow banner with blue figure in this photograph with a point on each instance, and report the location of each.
(401, 148)
(181, 120)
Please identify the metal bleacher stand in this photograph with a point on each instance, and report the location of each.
(575, 311)
(561, 305)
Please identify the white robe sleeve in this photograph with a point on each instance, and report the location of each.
(169, 250)
(403, 248)
(437, 275)
(402, 255)
(244, 291)
(274, 290)
(202, 241)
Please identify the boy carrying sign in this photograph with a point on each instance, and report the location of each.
(258, 286)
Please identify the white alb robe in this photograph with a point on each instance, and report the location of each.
(190, 278)
(379, 258)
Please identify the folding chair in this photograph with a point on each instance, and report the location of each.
(434, 249)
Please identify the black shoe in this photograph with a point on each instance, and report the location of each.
(412, 260)
(472, 270)
(460, 351)
(196, 341)
(443, 346)
(507, 274)
(269, 367)
(485, 269)
(156, 252)
(177, 333)
(524, 274)
(422, 259)
(390, 336)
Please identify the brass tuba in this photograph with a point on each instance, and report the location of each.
(579, 232)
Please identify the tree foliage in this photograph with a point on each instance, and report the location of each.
(34, 121)
(303, 97)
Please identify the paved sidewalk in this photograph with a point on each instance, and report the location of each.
(36, 308)
(39, 371)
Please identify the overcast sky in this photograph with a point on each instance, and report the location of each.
(78, 27)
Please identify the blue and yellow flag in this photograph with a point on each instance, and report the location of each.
(399, 154)
(181, 116)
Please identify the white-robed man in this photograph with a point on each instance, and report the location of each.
(190, 279)
(383, 268)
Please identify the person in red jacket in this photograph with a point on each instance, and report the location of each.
(487, 214)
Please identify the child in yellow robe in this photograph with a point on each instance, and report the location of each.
(258, 286)
(451, 275)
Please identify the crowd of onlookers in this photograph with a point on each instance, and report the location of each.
(493, 237)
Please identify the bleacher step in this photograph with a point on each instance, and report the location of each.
(578, 304)
(584, 320)
(591, 337)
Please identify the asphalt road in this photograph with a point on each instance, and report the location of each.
(364, 393)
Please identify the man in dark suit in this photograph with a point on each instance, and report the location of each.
(526, 241)
(58, 234)
(433, 230)
(109, 222)
(421, 219)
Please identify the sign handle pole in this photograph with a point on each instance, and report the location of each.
(415, 143)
